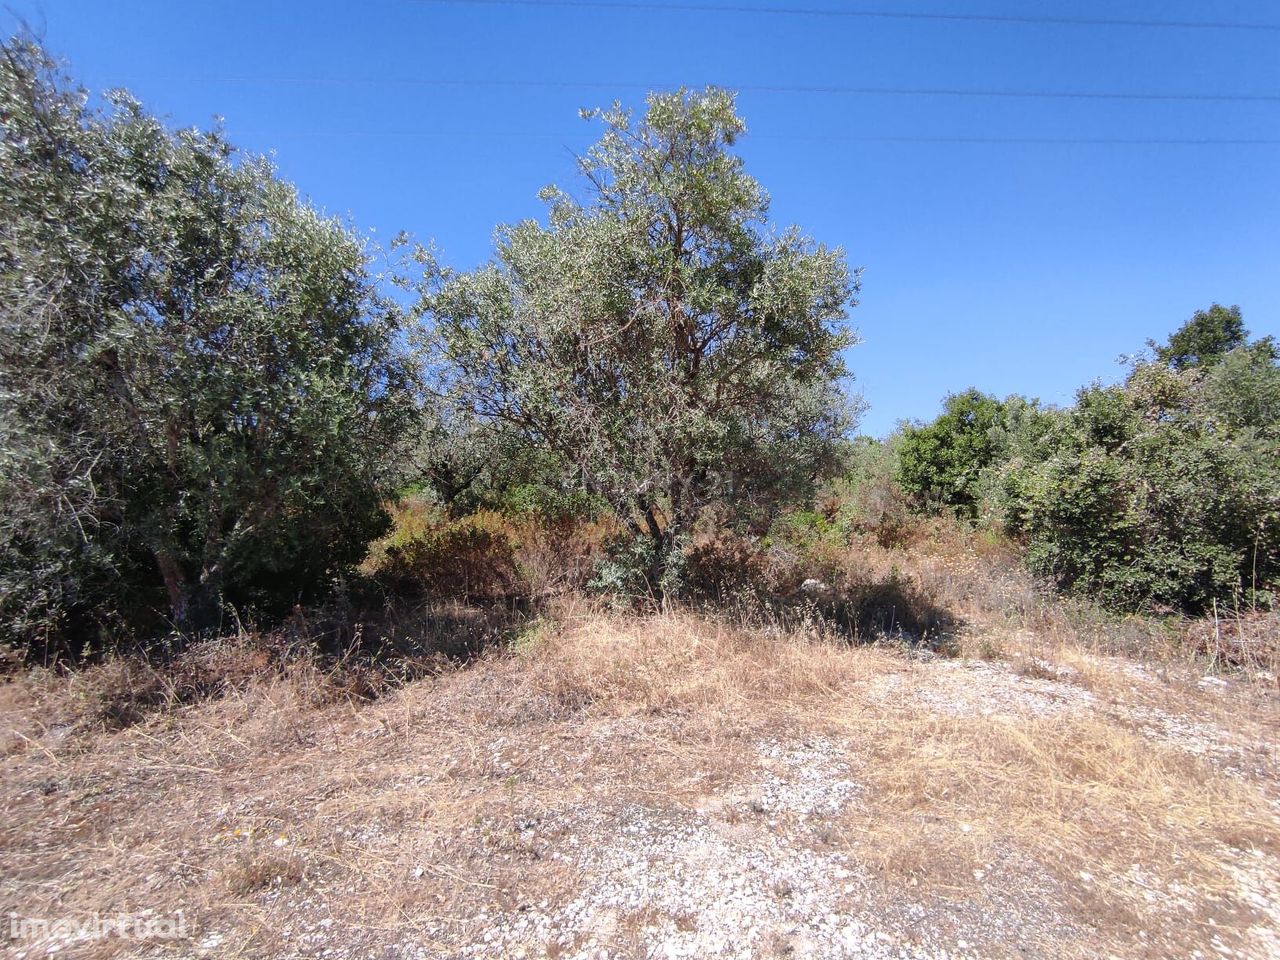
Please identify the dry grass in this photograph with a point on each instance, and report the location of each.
(1001, 612)
(683, 665)
(1084, 792)
(262, 799)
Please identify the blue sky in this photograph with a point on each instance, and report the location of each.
(1015, 267)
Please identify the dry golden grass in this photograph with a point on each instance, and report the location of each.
(1080, 789)
(684, 664)
(280, 797)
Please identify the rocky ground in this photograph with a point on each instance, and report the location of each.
(665, 789)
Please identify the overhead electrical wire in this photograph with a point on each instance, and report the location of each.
(820, 89)
(813, 89)
(833, 138)
(776, 10)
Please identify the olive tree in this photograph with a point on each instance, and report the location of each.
(199, 379)
(657, 333)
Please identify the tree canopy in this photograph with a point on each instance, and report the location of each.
(940, 463)
(1204, 339)
(196, 368)
(1163, 491)
(658, 334)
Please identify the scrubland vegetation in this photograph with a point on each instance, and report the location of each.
(463, 564)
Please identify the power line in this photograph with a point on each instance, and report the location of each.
(834, 89)
(820, 138)
(869, 14)
(1037, 141)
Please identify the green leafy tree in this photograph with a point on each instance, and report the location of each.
(658, 336)
(199, 380)
(1162, 492)
(1242, 393)
(941, 464)
(1204, 339)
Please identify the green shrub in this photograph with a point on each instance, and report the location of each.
(867, 500)
(632, 568)
(467, 466)
(941, 464)
(1161, 493)
(807, 528)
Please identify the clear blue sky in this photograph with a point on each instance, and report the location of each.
(1023, 268)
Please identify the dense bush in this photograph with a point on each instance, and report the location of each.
(1162, 492)
(941, 464)
(473, 557)
(467, 465)
(200, 384)
(866, 499)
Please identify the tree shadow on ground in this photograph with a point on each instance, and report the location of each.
(327, 655)
(892, 608)
(453, 631)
